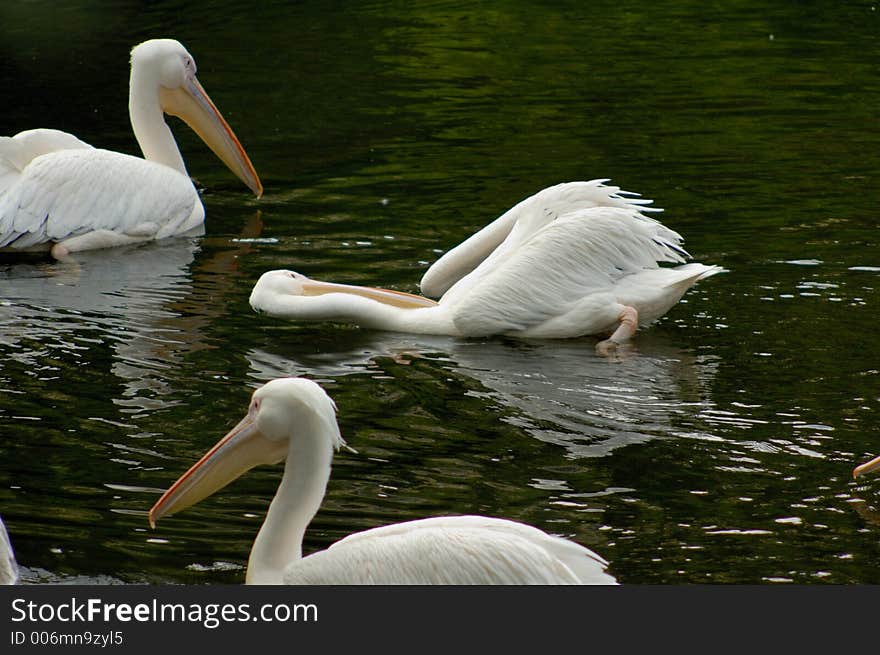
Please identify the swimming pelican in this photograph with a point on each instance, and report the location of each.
(867, 467)
(8, 565)
(61, 193)
(294, 419)
(575, 259)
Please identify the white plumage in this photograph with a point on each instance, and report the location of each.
(61, 193)
(294, 419)
(73, 193)
(575, 259)
(515, 226)
(8, 565)
(451, 550)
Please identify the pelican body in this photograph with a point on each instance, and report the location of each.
(575, 259)
(293, 419)
(61, 193)
(8, 565)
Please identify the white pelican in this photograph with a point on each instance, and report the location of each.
(867, 467)
(574, 259)
(61, 193)
(8, 565)
(294, 419)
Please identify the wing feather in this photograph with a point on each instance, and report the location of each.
(8, 565)
(452, 550)
(69, 192)
(519, 222)
(583, 252)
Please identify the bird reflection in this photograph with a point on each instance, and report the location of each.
(131, 315)
(559, 392)
(119, 296)
(869, 512)
(147, 301)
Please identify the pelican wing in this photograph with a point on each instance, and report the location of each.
(520, 222)
(16, 152)
(452, 550)
(68, 192)
(584, 252)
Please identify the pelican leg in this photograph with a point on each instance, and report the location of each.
(626, 330)
(94, 240)
(60, 251)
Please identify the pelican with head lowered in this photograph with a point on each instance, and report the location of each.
(575, 259)
(61, 193)
(294, 420)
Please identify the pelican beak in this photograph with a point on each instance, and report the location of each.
(243, 448)
(867, 467)
(385, 296)
(191, 103)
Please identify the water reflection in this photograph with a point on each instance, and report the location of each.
(93, 350)
(558, 392)
(37, 575)
(149, 302)
(120, 296)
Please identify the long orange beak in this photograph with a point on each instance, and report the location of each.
(191, 103)
(243, 448)
(386, 296)
(867, 467)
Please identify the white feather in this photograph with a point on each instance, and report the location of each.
(575, 259)
(68, 193)
(558, 266)
(455, 550)
(509, 230)
(8, 565)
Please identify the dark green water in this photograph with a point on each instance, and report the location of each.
(718, 449)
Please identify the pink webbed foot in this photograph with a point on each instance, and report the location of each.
(626, 330)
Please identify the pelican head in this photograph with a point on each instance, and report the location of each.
(284, 282)
(293, 295)
(163, 67)
(280, 412)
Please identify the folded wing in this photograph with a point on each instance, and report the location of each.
(521, 221)
(452, 550)
(584, 252)
(53, 187)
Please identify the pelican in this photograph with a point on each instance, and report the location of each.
(8, 565)
(867, 467)
(575, 259)
(295, 419)
(60, 193)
